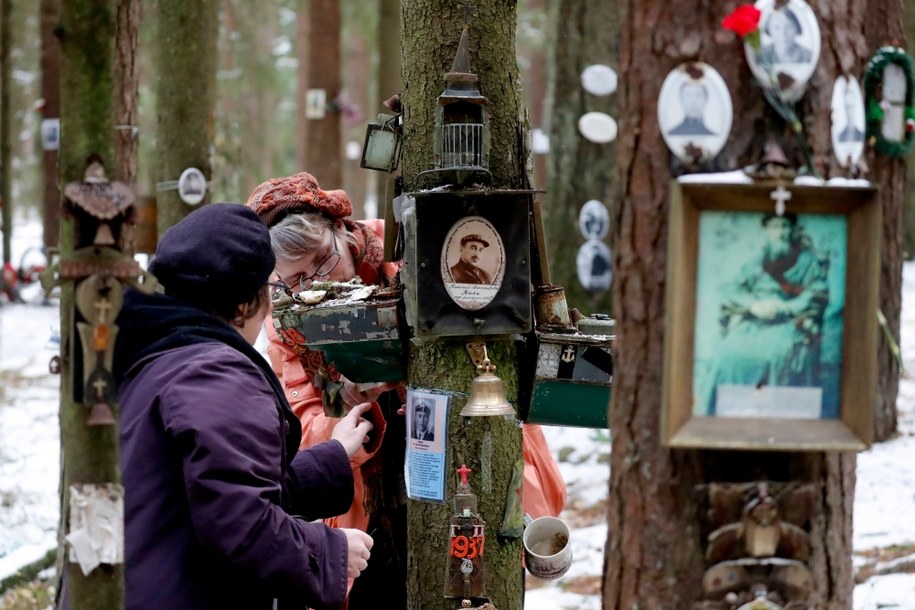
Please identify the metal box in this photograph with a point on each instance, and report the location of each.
(447, 291)
(571, 380)
(361, 338)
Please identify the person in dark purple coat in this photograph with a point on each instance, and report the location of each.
(218, 499)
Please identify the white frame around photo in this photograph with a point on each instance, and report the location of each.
(845, 116)
(717, 112)
(807, 39)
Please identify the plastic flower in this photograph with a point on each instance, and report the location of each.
(744, 21)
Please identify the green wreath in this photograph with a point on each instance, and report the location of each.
(873, 76)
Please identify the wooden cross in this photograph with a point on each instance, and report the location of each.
(463, 471)
(100, 385)
(780, 196)
(102, 306)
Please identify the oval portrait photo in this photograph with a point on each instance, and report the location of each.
(192, 186)
(594, 220)
(694, 112)
(847, 121)
(790, 45)
(472, 262)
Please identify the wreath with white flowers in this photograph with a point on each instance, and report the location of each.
(873, 76)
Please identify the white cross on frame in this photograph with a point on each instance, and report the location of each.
(780, 195)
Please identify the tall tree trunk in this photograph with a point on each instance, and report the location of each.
(580, 170)
(90, 453)
(323, 152)
(534, 77)
(303, 32)
(883, 25)
(356, 63)
(185, 99)
(654, 555)
(490, 446)
(388, 84)
(6, 177)
(127, 83)
(909, 212)
(50, 91)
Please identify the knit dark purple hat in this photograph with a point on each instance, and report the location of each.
(218, 254)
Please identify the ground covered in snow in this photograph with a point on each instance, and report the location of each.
(884, 527)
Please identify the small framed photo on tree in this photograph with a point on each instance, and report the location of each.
(771, 323)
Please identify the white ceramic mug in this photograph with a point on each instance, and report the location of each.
(547, 547)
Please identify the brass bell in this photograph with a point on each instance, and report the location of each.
(487, 396)
(101, 415)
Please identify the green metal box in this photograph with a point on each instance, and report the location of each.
(571, 380)
(361, 338)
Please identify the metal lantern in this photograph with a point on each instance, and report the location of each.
(381, 150)
(461, 137)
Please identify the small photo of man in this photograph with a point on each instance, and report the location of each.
(467, 269)
(693, 100)
(422, 429)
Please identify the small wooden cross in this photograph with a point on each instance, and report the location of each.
(780, 196)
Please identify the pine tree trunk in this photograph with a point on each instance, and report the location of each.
(303, 33)
(323, 154)
(490, 446)
(883, 25)
(127, 79)
(185, 98)
(90, 453)
(580, 170)
(50, 91)
(654, 555)
(6, 164)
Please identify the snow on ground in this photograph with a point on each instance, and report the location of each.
(29, 462)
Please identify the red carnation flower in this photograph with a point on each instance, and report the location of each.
(743, 20)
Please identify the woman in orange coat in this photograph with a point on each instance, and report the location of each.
(314, 240)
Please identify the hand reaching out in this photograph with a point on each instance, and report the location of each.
(353, 395)
(351, 430)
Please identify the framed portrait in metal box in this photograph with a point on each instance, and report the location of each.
(771, 317)
(471, 263)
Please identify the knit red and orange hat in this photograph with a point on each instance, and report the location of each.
(275, 199)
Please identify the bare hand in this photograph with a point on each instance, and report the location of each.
(358, 550)
(351, 431)
(354, 394)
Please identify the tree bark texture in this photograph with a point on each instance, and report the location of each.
(580, 170)
(431, 31)
(127, 84)
(6, 162)
(655, 545)
(323, 152)
(883, 25)
(909, 212)
(50, 91)
(185, 98)
(491, 446)
(126, 110)
(303, 33)
(90, 453)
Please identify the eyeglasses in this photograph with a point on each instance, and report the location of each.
(324, 268)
